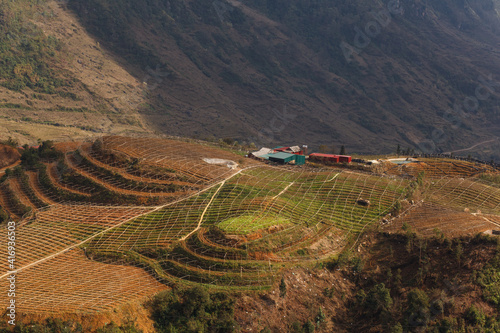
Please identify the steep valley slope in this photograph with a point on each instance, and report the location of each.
(268, 72)
(274, 72)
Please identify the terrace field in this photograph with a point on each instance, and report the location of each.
(250, 223)
(125, 211)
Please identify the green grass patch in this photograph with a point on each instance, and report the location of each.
(246, 224)
(14, 106)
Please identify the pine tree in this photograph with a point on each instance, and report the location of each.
(398, 278)
(342, 150)
(321, 317)
(282, 287)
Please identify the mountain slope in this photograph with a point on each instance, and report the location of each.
(268, 72)
(55, 80)
(233, 70)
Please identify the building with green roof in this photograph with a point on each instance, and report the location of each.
(284, 158)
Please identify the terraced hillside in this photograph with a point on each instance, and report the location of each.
(438, 168)
(139, 215)
(454, 198)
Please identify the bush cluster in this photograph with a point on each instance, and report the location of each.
(194, 310)
(25, 51)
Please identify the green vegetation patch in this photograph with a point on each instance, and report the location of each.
(491, 178)
(246, 224)
(25, 52)
(489, 279)
(194, 310)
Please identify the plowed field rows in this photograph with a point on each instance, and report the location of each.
(183, 157)
(6, 206)
(20, 194)
(59, 227)
(37, 189)
(429, 218)
(465, 193)
(94, 158)
(438, 168)
(72, 283)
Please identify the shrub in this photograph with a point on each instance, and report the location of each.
(309, 327)
(398, 328)
(321, 317)
(282, 287)
(361, 296)
(30, 158)
(378, 299)
(47, 151)
(329, 292)
(445, 326)
(475, 316)
(489, 279)
(296, 327)
(53, 325)
(437, 307)
(417, 300)
(194, 310)
(25, 50)
(417, 308)
(4, 217)
(357, 264)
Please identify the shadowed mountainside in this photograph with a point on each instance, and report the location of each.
(367, 75)
(275, 71)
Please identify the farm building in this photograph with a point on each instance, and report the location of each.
(291, 150)
(330, 158)
(300, 159)
(264, 157)
(261, 153)
(280, 149)
(284, 158)
(324, 157)
(345, 159)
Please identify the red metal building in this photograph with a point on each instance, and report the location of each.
(324, 157)
(344, 159)
(330, 158)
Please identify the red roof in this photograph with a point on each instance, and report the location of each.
(324, 155)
